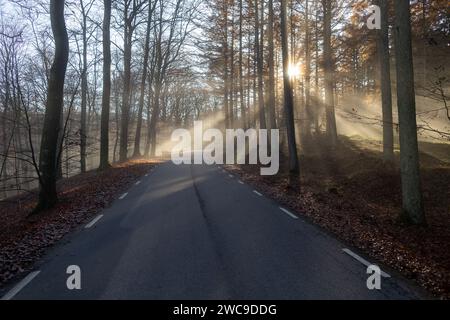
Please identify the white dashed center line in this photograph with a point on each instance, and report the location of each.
(230, 175)
(137, 183)
(256, 192)
(241, 182)
(22, 284)
(90, 224)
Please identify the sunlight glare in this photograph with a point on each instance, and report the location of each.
(294, 70)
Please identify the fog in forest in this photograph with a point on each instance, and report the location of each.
(202, 61)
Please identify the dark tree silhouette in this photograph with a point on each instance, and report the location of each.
(53, 111)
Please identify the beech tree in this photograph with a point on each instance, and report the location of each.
(106, 93)
(385, 81)
(406, 102)
(52, 119)
(288, 96)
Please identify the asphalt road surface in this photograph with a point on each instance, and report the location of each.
(195, 232)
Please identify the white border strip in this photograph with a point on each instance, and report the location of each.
(22, 284)
(259, 194)
(90, 224)
(363, 261)
(293, 216)
(123, 196)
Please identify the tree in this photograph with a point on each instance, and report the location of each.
(385, 81)
(85, 8)
(409, 152)
(137, 140)
(271, 84)
(308, 70)
(259, 66)
(106, 95)
(241, 64)
(329, 72)
(131, 8)
(288, 96)
(52, 119)
(225, 52)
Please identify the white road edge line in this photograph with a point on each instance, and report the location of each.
(259, 194)
(90, 224)
(241, 182)
(293, 216)
(123, 196)
(363, 261)
(137, 183)
(22, 284)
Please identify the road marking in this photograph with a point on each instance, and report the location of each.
(259, 194)
(137, 183)
(363, 261)
(22, 284)
(90, 224)
(123, 196)
(146, 175)
(241, 182)
(293, 216)
(231, 176)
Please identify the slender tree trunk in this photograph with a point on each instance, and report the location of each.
(225, 53)
(329, 74)
(155, 116)
(232, 70)
(318, 96)
(241, 76)
(55, 99)
(260, 69)
(308, 108)
(413, 209)
(84, 89)
(137, 139)
(288, 96)
(126, 96)
(106, 95)
(271, 84)
(385, 80)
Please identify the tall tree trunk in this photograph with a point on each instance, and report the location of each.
(226, 80)
(260, 69)
(55, 99)
(385, 80)
(106, 95)
(155, 115)
(232, 70)
(126, 96)
(409, 152)
(84, 89)
(271, 84)
(241, 76)
(318, 96)
(288, 96)
(329, 74)
(308, 108)
(137, 139)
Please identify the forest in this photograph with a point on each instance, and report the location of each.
(90, 92)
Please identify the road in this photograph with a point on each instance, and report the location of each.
(196, 232)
